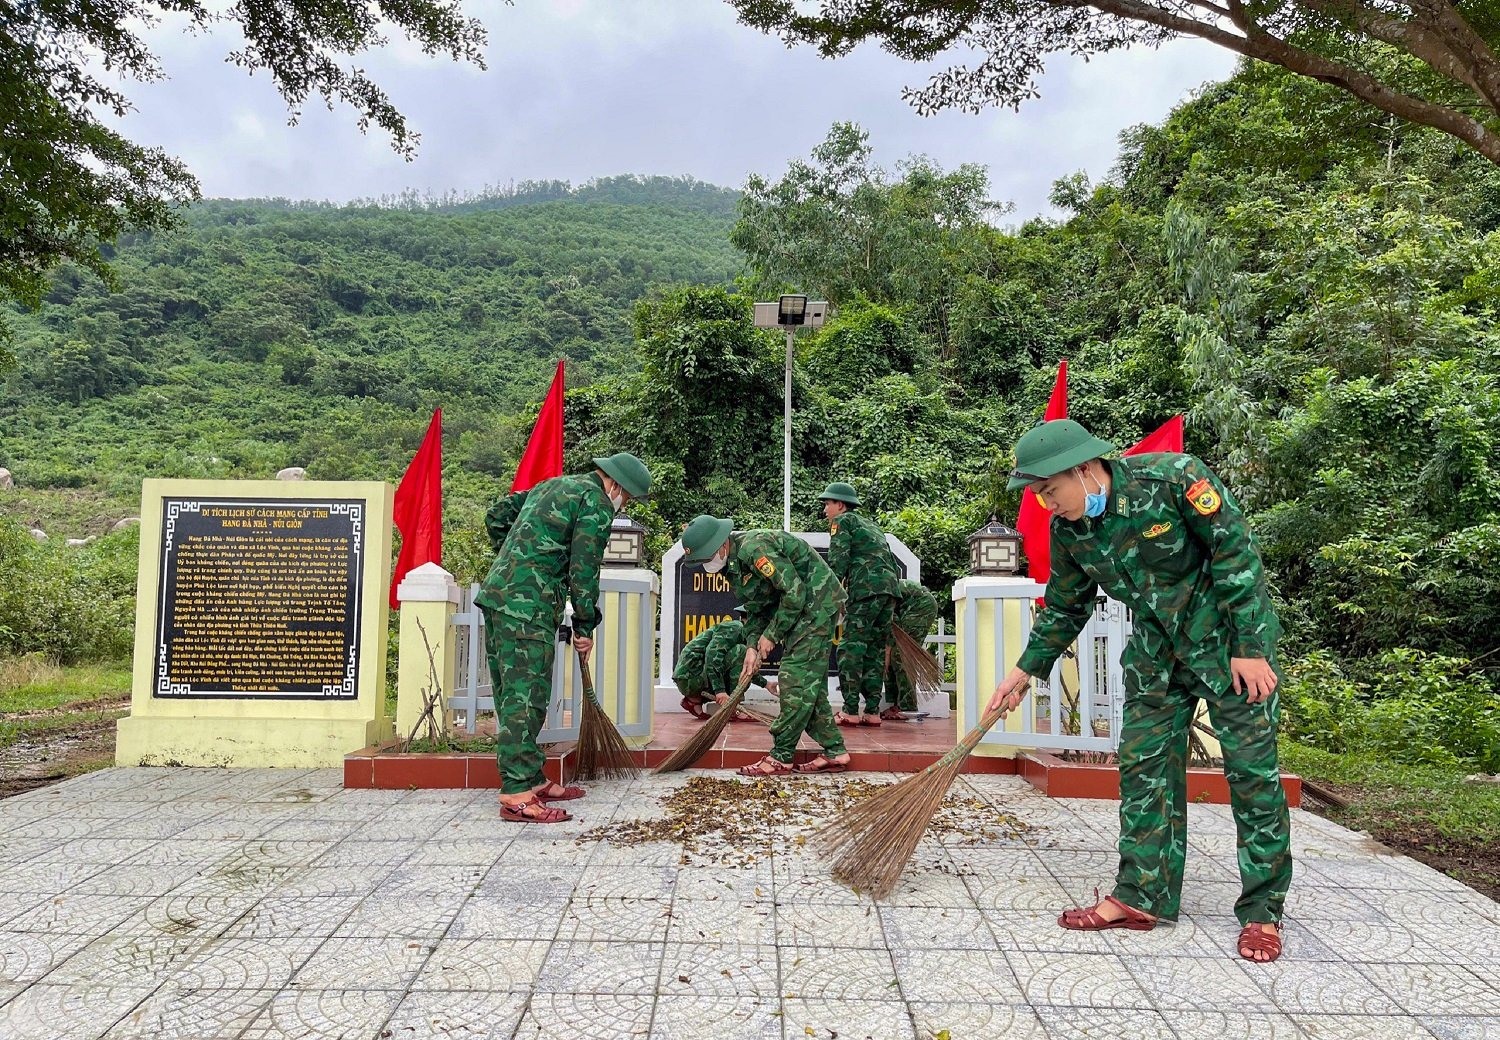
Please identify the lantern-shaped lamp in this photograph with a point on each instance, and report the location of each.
(995, 549)
(627, 544)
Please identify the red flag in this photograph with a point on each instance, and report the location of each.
(419, 506)
(543, 459)
(1034, 522)
(1168, 437)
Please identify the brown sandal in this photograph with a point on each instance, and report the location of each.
(828, 766)
(1255, 939)
(893, 714)
(754, 769)
(694, 707)
(540, 813)
(846, 720)
(1088, 918)
(568, 793)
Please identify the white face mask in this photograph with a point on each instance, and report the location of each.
(618, 500)
(715, 564)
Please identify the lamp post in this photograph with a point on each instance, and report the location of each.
(791, 313)
(995, 549)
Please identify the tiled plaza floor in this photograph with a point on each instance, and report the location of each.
(259, 904)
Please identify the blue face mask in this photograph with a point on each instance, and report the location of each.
(1093, 504)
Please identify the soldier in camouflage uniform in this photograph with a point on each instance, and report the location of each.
(916, 610)
(549, 542)
(861, 560)
(1160, 533)
(792, 599)
(709, 666)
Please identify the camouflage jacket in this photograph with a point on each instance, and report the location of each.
(711, 660)
(550, 541)
(1174, 547)
(782, 583)
(860, 558)
(916, 608)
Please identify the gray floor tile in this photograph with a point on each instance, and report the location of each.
(817, 973)
(1461, 1027)
(457, 1016)
(956, 977)
(843, 925)
(373, 964)
(256, 962)
(1081, 1023)
(325, 1014)
(722, 921)
(490, 965)
(203, 1014)
(849, 1019)
(1321, 989)
(716, 1017)
(976, 1021)
(68, 1012)
(1233, 1025)
(1434, 989)
(602, 968)
(586, 1016)
(1360, 1027)
(936, 928)
(719, 969)
(1076, 980)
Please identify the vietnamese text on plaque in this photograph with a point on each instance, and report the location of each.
(260, 598)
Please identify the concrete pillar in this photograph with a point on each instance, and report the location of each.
(427, 596)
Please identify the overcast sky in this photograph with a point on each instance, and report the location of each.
(588, 88)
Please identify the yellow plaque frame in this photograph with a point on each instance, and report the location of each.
(229, 731)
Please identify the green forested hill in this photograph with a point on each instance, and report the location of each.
(266, 334)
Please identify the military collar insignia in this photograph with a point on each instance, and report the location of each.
(1122, 504)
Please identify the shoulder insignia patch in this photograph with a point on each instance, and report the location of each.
(1157, 530)
(835, 529)
(1202, 497)
(765, 566)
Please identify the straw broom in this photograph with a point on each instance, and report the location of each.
(870, 845)
(920, 667)
(602, 753)
(707, 733)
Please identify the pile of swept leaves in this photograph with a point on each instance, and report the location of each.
(732, 823)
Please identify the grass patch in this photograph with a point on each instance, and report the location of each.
(28, 684)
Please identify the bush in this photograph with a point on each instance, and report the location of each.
(1410, 707)
(67, 604)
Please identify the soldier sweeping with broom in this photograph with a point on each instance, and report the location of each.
(549, 543)
(791, 599)
(709, 665)
(861, 560)
(1161, 533)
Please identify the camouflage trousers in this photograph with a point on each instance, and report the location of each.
(867, 629)
(803, 694)
(520, 659)
(696, 686)
(1153, 795)
(898, 688)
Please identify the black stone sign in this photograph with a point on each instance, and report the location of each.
(260, 598)
(704, 600)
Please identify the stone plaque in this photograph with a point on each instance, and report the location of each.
(260, 598)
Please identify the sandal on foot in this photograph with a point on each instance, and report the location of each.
(828, 766)
(893, 714)
(532, 811)
(1255, 939)
(1088, 918)
(694, 707)
(767, 766)
(567, 795)
(846, 720)
(869, 719)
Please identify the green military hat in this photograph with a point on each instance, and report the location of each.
(839, 492)
(1052, 448)
(627, 471)
(703, 537)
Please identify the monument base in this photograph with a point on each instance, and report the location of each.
(224, 741)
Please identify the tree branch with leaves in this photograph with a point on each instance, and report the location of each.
(1447, 78)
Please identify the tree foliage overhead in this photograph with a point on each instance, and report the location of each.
(70, 184)
(1430, 62)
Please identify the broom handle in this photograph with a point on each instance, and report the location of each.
(587, 677)
(969, 742)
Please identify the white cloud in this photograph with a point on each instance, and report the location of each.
(598, 87)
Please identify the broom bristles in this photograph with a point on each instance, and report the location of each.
(920, 667)
(602, 753)
(871, 844)
(698, 744)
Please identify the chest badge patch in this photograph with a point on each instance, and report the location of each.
(835, 529)
(1203, 498)
(1157, 530)
(765, 566)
